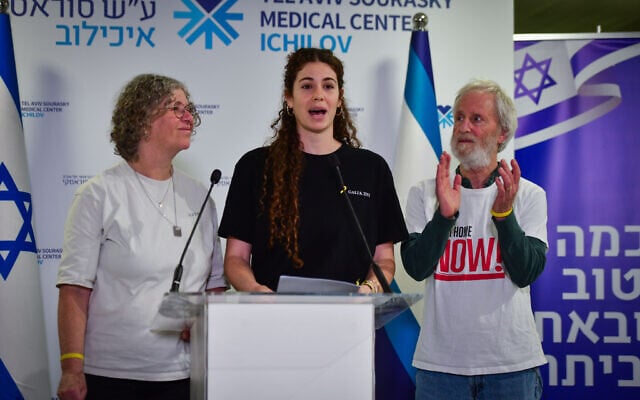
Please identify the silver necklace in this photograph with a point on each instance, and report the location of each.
(159, 205)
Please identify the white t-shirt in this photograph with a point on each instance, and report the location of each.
(476, 321)
(117, 243)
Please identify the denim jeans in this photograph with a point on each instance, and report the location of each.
(520, 385)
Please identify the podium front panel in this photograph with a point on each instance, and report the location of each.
(301, 348)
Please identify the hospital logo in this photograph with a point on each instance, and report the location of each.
(445, 117)
(208, 21)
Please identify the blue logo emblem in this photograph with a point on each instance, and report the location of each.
(25, 239)
(445, 116)
(208, 19)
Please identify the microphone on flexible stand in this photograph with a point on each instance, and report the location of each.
(177, 273)
(335, 162)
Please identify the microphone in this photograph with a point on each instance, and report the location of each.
(335, 162)
(177, 273)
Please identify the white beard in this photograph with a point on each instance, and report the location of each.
(479, 157)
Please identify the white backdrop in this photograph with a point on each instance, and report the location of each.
(74, 56)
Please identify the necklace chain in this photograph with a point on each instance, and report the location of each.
(177, 231)
(161, 202)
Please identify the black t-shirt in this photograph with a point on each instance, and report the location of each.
(330, 243)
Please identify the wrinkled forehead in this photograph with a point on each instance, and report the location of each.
(475, 102)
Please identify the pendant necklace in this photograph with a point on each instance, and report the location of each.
(159, 205)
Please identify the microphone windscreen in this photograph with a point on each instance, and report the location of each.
(215, 176)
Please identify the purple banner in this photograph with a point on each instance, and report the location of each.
(580, 142)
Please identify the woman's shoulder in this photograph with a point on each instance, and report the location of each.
(109, 176)
(359, 153)
(104, 182)
(363, 158)
(254, 156)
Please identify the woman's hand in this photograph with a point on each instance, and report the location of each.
(73, 385)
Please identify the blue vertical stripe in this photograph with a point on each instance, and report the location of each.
(403, 333)
(7, 62)
(8, 388)
(419, 90)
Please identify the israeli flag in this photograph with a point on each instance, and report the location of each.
(559, 86)
(418, 149)
(419, 144)
(23, 354)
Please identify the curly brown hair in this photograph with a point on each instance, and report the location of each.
(284, 162)
(142, 99)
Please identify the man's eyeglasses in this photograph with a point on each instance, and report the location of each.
(179, 109)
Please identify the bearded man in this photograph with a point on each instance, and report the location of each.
(479, 239)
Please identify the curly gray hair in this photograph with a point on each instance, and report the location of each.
(139, 103)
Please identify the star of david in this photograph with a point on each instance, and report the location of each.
(531, 66)
(25, 239)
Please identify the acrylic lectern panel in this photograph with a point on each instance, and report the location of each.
(275, 346)
(289, 350)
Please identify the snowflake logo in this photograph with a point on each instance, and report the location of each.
(208, 19)
(445, 117)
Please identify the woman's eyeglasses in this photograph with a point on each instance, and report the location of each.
(179, 109)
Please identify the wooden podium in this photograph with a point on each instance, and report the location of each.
(280, 346)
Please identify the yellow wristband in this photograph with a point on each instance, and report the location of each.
(502, 214)
(66, 356)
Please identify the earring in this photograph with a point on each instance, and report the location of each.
(340, 112)
(288, 110)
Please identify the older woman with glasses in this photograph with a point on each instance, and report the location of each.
(123, 235)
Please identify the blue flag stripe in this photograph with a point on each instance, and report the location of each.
(9, 388)
(420, 46)
(403, 333)
(419, 91)
(8, 66)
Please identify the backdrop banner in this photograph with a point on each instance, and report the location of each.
(74, 56)
(577, 100)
